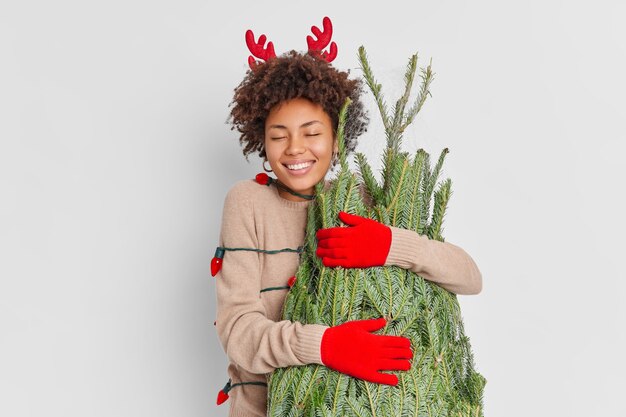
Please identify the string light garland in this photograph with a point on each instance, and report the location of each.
(222, 396)
(290, 283)
(264, 179)
(216, 262)
(216, 266)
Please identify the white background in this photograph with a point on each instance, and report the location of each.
(115, 159)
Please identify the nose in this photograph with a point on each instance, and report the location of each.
(296, 145)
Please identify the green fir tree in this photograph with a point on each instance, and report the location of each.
(442, 380)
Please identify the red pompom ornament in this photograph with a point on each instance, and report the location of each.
(216, 262)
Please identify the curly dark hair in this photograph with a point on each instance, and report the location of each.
(294, 75)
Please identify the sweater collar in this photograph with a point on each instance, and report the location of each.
(293, 205)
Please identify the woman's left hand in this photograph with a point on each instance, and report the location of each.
(366, 243)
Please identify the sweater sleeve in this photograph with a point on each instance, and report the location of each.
(250, 339)
(443, 263)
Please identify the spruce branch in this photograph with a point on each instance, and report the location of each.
(374, 86)
(367, 177)
(439, 163)
(402, 101)
(442, 196)
(427, 78)
(340, 134)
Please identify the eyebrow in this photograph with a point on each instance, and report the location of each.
(301, 126)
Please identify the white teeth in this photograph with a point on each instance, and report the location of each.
(300, 166)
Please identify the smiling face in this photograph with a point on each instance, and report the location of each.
(299, 144)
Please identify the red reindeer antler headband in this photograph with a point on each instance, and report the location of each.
(315, 45)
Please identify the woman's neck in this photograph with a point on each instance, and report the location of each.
(290, 195)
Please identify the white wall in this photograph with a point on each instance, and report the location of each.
(115, 159)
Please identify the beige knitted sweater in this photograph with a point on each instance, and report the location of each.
(248, 323)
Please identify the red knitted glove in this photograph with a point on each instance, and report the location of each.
(364, 245)
(350, 349)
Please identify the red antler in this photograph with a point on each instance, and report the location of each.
(258, 50)
(323, 38)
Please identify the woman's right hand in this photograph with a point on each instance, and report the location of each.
(351, 349)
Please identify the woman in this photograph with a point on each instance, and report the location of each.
(287, 110)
